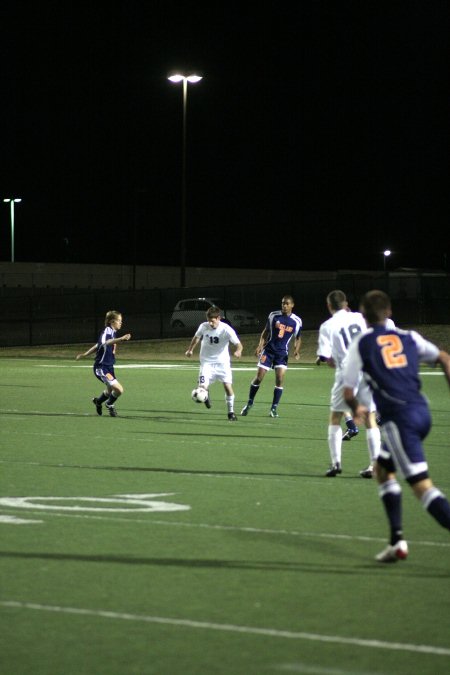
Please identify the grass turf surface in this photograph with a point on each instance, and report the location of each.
(266, 566)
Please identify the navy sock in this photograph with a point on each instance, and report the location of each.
(437, 506)
(391, 496)
(253, 391)
(276, 396)
(351, 425)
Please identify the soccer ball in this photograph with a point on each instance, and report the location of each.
(199, 395)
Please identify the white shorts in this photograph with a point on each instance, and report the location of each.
(214, 372)
(362, 393)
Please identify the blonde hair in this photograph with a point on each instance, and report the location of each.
(112, 315)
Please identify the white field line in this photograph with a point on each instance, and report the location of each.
(229, 528)
(231, 628)
(183, 366)
(309, 669)
(172, 366)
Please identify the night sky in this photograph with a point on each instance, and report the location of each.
(318, 137)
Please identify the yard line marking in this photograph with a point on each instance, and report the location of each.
(233, 528)
(317, 670)
(231, 628)
(177, 366)
(14, 520)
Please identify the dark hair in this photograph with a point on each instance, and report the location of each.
(213, 312)
(337, 300)
(375, 305)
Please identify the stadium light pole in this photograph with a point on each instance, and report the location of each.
(386, 255)
(12, 201)
(192, 79)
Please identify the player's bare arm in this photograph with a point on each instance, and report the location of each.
(238, 351)
(91, 350)
(444, 361)
(192, 346)
(262, 342)
(123, 338)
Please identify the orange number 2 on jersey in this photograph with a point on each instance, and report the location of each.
(392, 351)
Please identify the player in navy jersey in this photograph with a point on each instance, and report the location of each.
(273, 351)
(105, 359)
(389, 360)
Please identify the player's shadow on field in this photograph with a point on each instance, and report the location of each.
(212, 472)
(196, 472)
(204, 563)
(37, 413)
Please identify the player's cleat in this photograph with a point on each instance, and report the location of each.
(111, 409)
(333, 470)
(350, 433)
(208, 403)
(246, 408)
(392, 553)
(98, 406)
(273, 412)
(367, 473)
(232, 417)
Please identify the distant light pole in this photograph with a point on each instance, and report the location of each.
(193, 79)
(386, 255)
(12, 201)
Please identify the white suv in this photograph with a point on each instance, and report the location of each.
(191, 312)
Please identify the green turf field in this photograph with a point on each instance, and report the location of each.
(170, 541)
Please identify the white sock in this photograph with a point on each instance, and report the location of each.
(335, 442)
(373, 443)
(230, 403)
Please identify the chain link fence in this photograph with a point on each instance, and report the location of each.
(64, 316)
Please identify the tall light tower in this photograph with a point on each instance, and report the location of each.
(192, 79)
(386, 255)
(12, 201)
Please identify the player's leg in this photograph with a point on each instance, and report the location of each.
(402, 448)
(390, 493)
(280, 371)
(254, 388)
(99, 400)
(335, 443)
(337, 409)
(373, 434)
(116, 390)
(409, 449)
(229, 397)
(205, 378)
(224, 374)
(433, 500)
(352, 429)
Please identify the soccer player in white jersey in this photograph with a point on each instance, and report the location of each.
(323, 356)
(343, 326)
(215, 362)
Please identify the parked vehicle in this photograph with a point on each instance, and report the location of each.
(191, 312)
